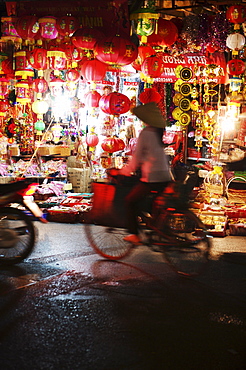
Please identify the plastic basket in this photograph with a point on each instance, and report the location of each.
(236, 195)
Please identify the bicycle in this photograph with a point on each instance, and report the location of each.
(166, 225)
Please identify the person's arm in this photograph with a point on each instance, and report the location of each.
(137, 157)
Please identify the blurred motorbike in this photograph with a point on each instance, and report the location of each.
(17, 231)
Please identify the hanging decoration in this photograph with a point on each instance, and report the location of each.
(114, 103)
(67, 25)
(149, 95)
(86, 38)
(152, 66)
(145, 21)
(166, 35)
(93, 70)
(48, 28)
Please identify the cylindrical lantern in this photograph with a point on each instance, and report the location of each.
(145, 22)
(116, 50)
(4, 82)
(56, 58)
(115, 103)
(93, 70)
(152, 66)
(22, 68)
(235, 41)
(48, 28)
(23, 92)
(67, 25)
(86, 38)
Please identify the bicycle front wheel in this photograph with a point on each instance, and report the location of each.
(108, 241)
(187, 247)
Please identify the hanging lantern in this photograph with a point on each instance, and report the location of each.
(72, 75)
(92, 99)
(93, 70)
(23, 95)
(236, 14)
(235, 41)
(152, 66)
(149, 95)
(235, 84)
(166, 35)
(22, 68)
(40, 107)
(86, 38)
(28, 27)
(40, 86)
(57, 130)
(74, 104)
(92, 140)
(236, 67)
(56, 86)
(48, 28)
(115, 103)
(39, 126)
(56, 58)
(110, 145)
(38, 59)
(73, 54)
(144, 22)
(4, 106)
(8, 31)
(4, 83)
(67, 25)
(116, 50)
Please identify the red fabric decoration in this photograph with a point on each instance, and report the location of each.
(112, 144)
(166, 35)
(116, 50)
(92, 140)
(152, 66)
(72, 53)
(236, 67)
(38, 58)
(149, 95)
(114, 103)
(67, 25)
(86, 38)
(27, 27)
(72, 75)
(40, 85)
(92, 99)
(93, 70)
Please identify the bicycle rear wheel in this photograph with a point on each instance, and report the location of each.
(187, 244)
(108, 241)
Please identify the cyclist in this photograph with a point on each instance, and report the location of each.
(149, 157)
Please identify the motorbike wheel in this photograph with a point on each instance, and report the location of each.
(17, 235)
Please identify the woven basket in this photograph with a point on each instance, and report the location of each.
(235, 195)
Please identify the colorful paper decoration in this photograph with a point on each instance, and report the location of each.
(114, 103)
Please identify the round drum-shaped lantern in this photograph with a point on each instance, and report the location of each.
(235, 41)
(166, 35)
(115, 103)
(67, 25)
(145, 51)
(110, 144)
(72, 75)
(236, 14)
(93, 70)
(73, 53)
(40, 85)
(92, 140)
(4, 106)
(86, 38)
(48, 28)
(236, 67)
(152, 66)
(92, 99)
(38, 58)
(40, 107)
(116, 50)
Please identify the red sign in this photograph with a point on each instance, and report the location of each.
(191, 61)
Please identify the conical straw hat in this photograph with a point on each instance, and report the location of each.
(150, 114)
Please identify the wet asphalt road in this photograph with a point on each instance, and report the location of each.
(66, 308)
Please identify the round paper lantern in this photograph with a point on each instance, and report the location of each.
(28, 27)
(40, 86)
(48, 28)
(86, 38)
(4, 106)
(92, 99)
(166, 35)
(149, 95)
(115, 103)
(40, 107)
(93, 70)
(38, 58)
(110, 145)
(73, 54)
(92, 140)
(116, 50)
(152, 66)
(39, 125)
(236, 14)
(72, 75)
(67, 25)
(145, 51)
(120, 143)
(236, 67)
(235, 41)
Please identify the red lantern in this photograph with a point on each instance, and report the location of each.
(28, 27)
(73, 54)
(56, 86)
(4, 106)
(38, 58)
(72, 75)
(92, 140)
(166, 35)
(152, 66)
(116, 50)
(145, 51)
(236, 14)
(56, 58)
(22, 68)
(115, 103)
(236, 67)
(40, 86)
(48, 28)
(86, 38)
(4, 82)
(93, 70)
(120, 143)
(110, 144)
(92, 99)
(23, 95)
(149, 95)
(67, 25)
